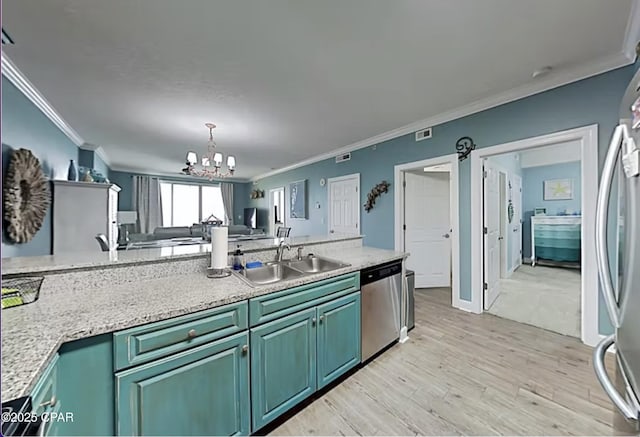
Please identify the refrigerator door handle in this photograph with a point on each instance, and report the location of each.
(628, 411)
(620, 134)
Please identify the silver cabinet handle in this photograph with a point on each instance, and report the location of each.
(628, 411)
(321, 319)
(245, 349)
(192, 333)
(602, 207)
(50, 403)
(313, 321)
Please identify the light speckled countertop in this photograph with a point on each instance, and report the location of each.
(32, 334)
(54, 263)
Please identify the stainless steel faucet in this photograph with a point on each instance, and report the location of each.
(280, 250)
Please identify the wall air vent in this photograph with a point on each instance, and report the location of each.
(343, 157)
(423, 134)
(6, 39)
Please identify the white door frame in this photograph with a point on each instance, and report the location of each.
(455, 217)
(337, 179)
(283, 212)
(588, 137)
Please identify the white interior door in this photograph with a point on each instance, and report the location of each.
(344, 204)
(516, 222)
(277, 216)
(492, 212)
(427, 236)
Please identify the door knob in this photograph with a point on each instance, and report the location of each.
(192, 333)
(245, 348)
(446, 235)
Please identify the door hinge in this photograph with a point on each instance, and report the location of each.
(356, 226)
(404, 227)
(404, 184)
(484, 173)
(485, 286)
(356, 189)
(485, 230)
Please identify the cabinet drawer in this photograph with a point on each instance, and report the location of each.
(149, 342)
(272, 306)
(44, 395)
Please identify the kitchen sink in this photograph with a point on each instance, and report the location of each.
(278, 271)
(315, 264)
(268, 274)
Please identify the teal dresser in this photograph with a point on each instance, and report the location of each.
(556, 238)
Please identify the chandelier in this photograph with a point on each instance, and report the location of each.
(211, 162)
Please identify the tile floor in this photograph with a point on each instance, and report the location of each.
(546, 297)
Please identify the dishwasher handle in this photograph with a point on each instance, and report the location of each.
(377, 273)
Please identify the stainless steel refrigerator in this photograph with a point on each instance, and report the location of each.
(620, 278)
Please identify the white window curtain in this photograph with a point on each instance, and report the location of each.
(227, 200)
(147, 202)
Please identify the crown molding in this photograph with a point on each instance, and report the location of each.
(176, 175)
(632, 33)
(98, 150)
(554, 80)
(20, 81)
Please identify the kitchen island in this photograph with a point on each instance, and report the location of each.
(81, 305)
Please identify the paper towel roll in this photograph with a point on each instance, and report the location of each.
(219, 247)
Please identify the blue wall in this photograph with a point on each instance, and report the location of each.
(125, 198)
(90, 159)
(532, 195)
(24, 126)
(593, 100)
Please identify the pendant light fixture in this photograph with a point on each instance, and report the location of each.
(211, 163)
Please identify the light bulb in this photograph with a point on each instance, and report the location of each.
(217, 159)
(192, 158)
(231, 162)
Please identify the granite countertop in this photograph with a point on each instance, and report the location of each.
(66, 262)
(32, 334)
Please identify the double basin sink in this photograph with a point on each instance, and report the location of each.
(288, 269)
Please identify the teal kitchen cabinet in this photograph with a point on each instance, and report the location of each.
(200, 391)
(338, 338)
(283, 365)
(295, 355)
(46, 399)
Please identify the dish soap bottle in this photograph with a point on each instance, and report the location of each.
(238, 259)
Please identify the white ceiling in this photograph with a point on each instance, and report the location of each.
(289, 80)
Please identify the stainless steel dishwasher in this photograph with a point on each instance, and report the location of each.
(381, 293)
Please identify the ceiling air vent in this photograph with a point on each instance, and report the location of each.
(343, 157)
(423, 134)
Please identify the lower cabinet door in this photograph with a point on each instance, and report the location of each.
(283, 365)
(338, 337)
(202, 391)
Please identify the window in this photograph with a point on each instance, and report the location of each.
(186, 204)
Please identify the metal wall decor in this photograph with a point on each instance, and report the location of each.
(26, 196)
(257, 194)
(464, 146)
(382, 187)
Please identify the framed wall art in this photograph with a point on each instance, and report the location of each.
(558, 189)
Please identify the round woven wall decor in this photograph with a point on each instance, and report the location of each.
(26, 196)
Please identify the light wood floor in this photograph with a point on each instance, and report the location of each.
(463, 373)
